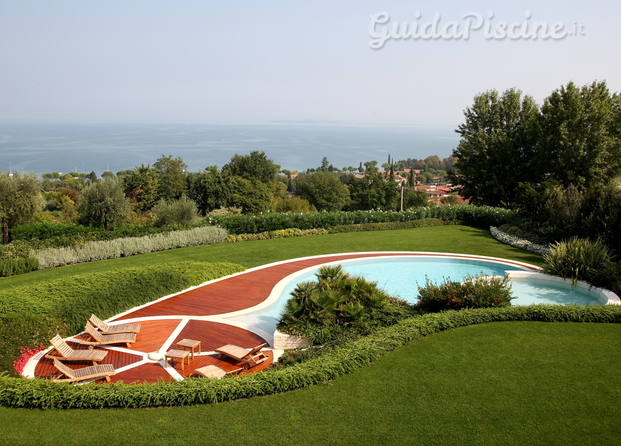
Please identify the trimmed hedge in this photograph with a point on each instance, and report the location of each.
(11, 267)
(479, 216)
(34, 313)
(43, 394)
(423, 223)
(282, 233)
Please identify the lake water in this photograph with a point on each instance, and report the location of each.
(65, 148)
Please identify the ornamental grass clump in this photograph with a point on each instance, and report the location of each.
(582, 259)
(474, 292)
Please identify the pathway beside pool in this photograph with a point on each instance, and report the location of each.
(200, 313)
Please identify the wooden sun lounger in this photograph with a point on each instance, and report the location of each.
(112, 329)
(94, 371)
(68, 354)
(101, 339)
(250, 358)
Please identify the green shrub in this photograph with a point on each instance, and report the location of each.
(42, 231)
(20, 330)
(480, 216)
(477, 292)
(282, 233)
(335, 299)
(423, 223)
(11, 267)
(582, 259)
(182, 212)
(43, 394)
(47, 297)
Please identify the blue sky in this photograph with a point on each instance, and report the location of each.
(243, 61)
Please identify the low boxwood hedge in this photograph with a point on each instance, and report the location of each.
(40, 393)
(422, 223)
(479, 216)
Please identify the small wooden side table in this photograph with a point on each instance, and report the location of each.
(177, 354)
(189, 344)
(213, 371)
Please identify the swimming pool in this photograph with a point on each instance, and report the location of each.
(401, 275)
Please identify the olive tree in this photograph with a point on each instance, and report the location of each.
(20, 198)
(104, 204)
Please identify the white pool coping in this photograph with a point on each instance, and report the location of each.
(604, 296)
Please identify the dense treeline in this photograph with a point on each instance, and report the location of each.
(166, 195)
(557, 164)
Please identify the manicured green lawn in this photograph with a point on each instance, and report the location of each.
(457, 239)
(509, 383)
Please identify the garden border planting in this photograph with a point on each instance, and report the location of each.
(44, 394)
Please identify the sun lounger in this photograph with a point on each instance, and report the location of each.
(250, 358)
(213, 371)
(68, 354)
(112, 329)
(94, 371)
(101, 339)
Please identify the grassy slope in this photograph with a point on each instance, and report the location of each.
(516, 383)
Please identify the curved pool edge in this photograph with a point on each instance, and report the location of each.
(277, 289)
(606, 297)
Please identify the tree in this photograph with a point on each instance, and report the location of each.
(172, 177)
(182, 212)
(498, 148)
(104, 204)
(370, 166)
(141, 186)
(209, 189)
(581, 141)
(412, 178)
(91, 177)
(20, 198)
(373, 192)
(252, 195)
(256, 165)
(323, 190)
(324, 164)
(415, 198)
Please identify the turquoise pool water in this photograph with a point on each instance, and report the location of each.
(401, 276)
(533, 291)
